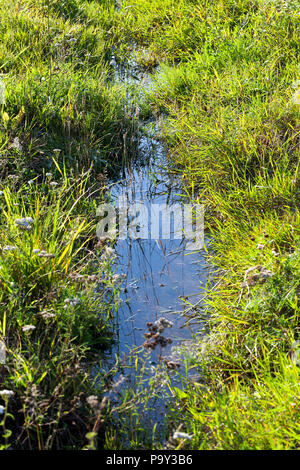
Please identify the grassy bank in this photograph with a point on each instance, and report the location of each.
(227, 85)
(61, 133)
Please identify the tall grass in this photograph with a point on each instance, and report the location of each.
(55, 317)
(61, 132)
(54, 61)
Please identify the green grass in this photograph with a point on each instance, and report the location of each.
(263, 414)
(53, 322)
(227, 88)
(54, 61)
(224, 77)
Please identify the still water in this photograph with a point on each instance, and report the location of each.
(161, 279)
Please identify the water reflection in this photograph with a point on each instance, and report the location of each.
(162, 276)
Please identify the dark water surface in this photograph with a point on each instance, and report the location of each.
(163, 277)
(160, 278)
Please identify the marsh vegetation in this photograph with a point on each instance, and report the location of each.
(225, 93)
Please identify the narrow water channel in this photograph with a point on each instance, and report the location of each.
(161, 279)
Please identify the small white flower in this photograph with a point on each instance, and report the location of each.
(6, 393)
(16, 144)
(73, 302)
(53, 183)
(182, 435)
(49, 175)
(47, 315)
(30, 182)
(9, 248)
(1, 193)
(44, 254)
(35, 251)
(25, 223)
(92, 400)
(2, 409)
(28, 328)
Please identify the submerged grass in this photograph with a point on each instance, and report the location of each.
(227, 86)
